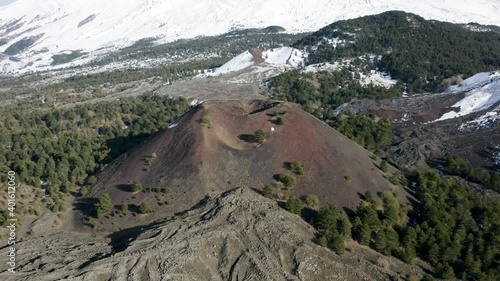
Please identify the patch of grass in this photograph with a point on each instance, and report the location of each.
(207, 121)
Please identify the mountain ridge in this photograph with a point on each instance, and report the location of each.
(44, 29)
(237, 235)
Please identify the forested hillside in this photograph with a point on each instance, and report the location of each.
(454, 230)
(419, 52)
(321, 93)
(60, 150)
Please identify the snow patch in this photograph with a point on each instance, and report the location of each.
(238, 63)
(279, 59)
(377, 78)
(482, 122)
(173, 125)
(482, 92)
(195, 102)
(323, 67)
(476, 81)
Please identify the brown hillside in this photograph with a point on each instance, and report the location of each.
(194, 160)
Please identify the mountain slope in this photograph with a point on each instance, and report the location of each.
(194, 160)
(419, 52)
(33, 31)
(238, 235)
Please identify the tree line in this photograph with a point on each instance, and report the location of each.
(454, 230)
(60, 150)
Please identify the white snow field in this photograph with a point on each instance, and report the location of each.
(482, 92)
(240, 62)
(378, 79)
(97, 26)
(276, 60)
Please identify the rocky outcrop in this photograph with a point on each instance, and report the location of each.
(239, 235)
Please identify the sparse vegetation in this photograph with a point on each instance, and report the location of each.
(398, 179)
(297, 167)
(136, 186)
(457, 165)
(65, 58)
(268, 191)
(207, 121)
(20, 45)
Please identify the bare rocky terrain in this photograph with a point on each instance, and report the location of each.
(420, 142)
(238, 235)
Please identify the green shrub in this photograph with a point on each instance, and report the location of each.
(124, 208)
(384, 167)
(337, 245)
(84, 191)
(297, 167)
(104, 205)
(312, 201)
(287, 180)
(136, 186)
(294, 205)
(207, 121)
(260, 136)
(144, 208)
(268, 191)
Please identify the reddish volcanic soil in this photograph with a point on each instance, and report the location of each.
(194, 160)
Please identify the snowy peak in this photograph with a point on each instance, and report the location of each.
(32, 32)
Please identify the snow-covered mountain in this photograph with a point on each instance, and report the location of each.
(32, 31)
